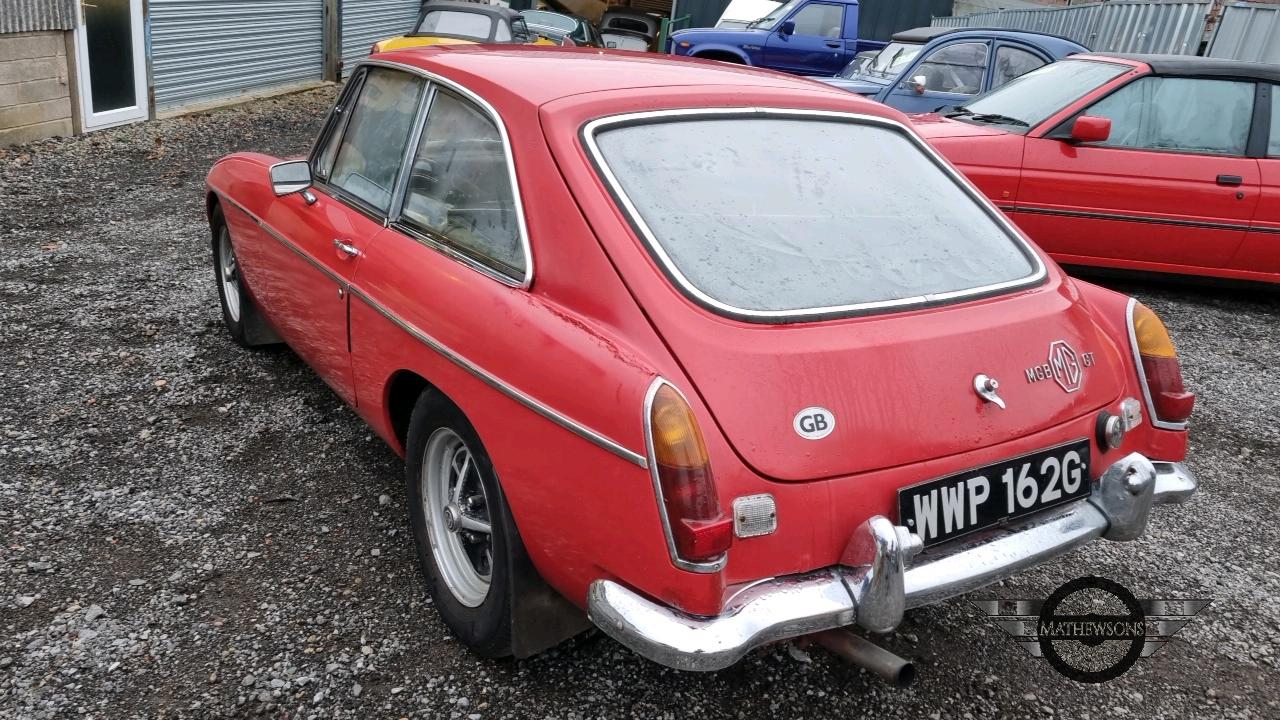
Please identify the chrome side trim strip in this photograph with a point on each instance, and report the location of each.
(589, 131)
(563, 421)
(598, 439)
(698, 567)
(1142, 373)
(281, 239)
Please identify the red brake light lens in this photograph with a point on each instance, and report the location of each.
(700, 531)
(1170, 400)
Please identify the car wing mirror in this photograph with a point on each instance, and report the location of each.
(787, 27)
(610, 44)
(1090, 128)
(290, 177)
(916, 84)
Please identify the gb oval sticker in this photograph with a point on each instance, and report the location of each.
(814, 423)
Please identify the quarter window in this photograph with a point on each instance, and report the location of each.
(377, 135)
(1188, 114)
(459, 191)
(956, 68)
(1011, 63)
(819, 19)
(1273, 149)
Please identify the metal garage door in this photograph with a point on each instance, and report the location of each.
(365, 22)
(205, 50)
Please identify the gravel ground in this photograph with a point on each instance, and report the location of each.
(194, 530)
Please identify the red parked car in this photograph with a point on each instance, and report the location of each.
(643, 364)
(1142, 162)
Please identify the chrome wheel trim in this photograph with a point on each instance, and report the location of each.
(229, 274)
(456, 508)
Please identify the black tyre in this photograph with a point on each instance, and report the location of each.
(462, 528)
(245, 324)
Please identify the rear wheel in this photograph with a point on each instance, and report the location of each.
(461, 525)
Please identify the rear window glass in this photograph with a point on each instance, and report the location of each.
(455, 22)
(790, 216)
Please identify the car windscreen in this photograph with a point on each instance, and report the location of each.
(773, 18)
(1030, 99)
(456, 22)
(786, 216)
(889, 61)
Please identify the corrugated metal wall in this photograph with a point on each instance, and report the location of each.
(1145, 27)
(34, 15)
(205, 50)
(1248, 32)
(880, 19)
(365, 22)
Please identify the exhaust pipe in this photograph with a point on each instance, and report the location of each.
(857, 650)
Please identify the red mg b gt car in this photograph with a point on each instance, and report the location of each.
(658, 355)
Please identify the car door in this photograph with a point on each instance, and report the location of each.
(1260, 251)
(815, 47)
(1170, 188)
(327, 233)
(950, 74)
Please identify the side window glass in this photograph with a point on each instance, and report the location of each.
(1273, 149)
(1189, 114)
(460, 187)
(955, 68)
(337, 126)
(1010, 63)
(820, 19)
(377, 135)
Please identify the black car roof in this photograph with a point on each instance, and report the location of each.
(496, 11)
(923, 34)
(1195, 65)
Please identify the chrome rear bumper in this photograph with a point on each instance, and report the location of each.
(883, 573)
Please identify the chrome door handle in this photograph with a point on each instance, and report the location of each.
(346, 248)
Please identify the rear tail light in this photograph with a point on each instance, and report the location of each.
(699, 533)
(1167, 398)
(375, 49)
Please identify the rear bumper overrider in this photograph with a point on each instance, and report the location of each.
(883, 573)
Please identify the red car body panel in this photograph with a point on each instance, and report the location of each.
(600, 322)
(1047, 186)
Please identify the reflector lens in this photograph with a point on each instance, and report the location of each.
(699, 529)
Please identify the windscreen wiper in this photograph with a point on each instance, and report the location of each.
(997, 118)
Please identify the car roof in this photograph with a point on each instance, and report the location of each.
(541, 74)
(481, 9)
(1206, 66)
(1056, 43)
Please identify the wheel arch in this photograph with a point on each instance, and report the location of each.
(541, 616)
(721, 53)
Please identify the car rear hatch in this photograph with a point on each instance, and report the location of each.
(854, 277)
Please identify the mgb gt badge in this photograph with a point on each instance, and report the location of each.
(1065, 366)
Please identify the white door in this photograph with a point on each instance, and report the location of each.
(111, 63)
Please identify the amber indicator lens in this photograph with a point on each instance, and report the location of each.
(700, 529)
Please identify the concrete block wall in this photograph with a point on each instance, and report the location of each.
(35, 87)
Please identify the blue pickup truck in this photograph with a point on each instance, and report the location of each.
(807, 37)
